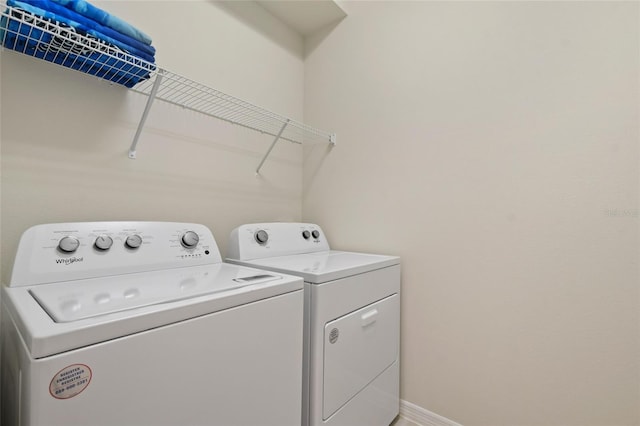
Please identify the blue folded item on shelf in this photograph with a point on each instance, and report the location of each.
(55, 42)
(90, 26)
(80, 28)
(90, 11)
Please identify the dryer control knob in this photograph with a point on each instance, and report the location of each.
(189, 239)
(68, 244)
(133, 241)
(261, 236)
(103, 242)
(315, 233)
(306, 235)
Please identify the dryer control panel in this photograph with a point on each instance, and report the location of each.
(260, 240)
(69, 251)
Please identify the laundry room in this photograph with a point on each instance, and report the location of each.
(489, 150)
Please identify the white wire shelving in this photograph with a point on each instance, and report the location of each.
(178, 90)
(51, 41)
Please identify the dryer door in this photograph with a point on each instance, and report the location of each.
(357, 348)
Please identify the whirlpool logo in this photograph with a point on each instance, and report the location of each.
(70, 260)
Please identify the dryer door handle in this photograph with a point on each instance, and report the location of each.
(369, 317)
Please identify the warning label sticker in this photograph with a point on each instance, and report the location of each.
(70, 381)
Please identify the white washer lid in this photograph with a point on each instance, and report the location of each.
(77, 300)
(164, 297)
(324, 266)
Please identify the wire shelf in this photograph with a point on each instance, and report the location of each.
(58, 43)
(61, 44)
(181, 91)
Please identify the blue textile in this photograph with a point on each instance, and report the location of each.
(92, 26)
(90, 11)
(49, 40)
(81, 28)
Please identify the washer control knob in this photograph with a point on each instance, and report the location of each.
(103, 242)
(68, 244)
(315, 233)
(261, 236)
(133, 241)
(189, 239)
(306, 235)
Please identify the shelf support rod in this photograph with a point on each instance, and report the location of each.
(271, 147)
(143, 119)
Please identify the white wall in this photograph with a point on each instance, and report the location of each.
(495, 147)
(65, 135)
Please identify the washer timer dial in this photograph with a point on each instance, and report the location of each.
(189, 239)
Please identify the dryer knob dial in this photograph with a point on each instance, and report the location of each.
(315, 233)
(103, 242)
(306, 235)
(189, 239)
(68, 244)
(262, 237)
(133, 241)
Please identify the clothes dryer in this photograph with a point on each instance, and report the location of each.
(140, 323)
(351, 321)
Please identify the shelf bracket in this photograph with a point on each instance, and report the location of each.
(271, 147)
(143, 119)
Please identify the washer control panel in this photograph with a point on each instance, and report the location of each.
(68, 251)
(259, 240)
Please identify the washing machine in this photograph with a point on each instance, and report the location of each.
(141, 323)
(351, 320)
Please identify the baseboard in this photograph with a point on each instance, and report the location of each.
(422, 417)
